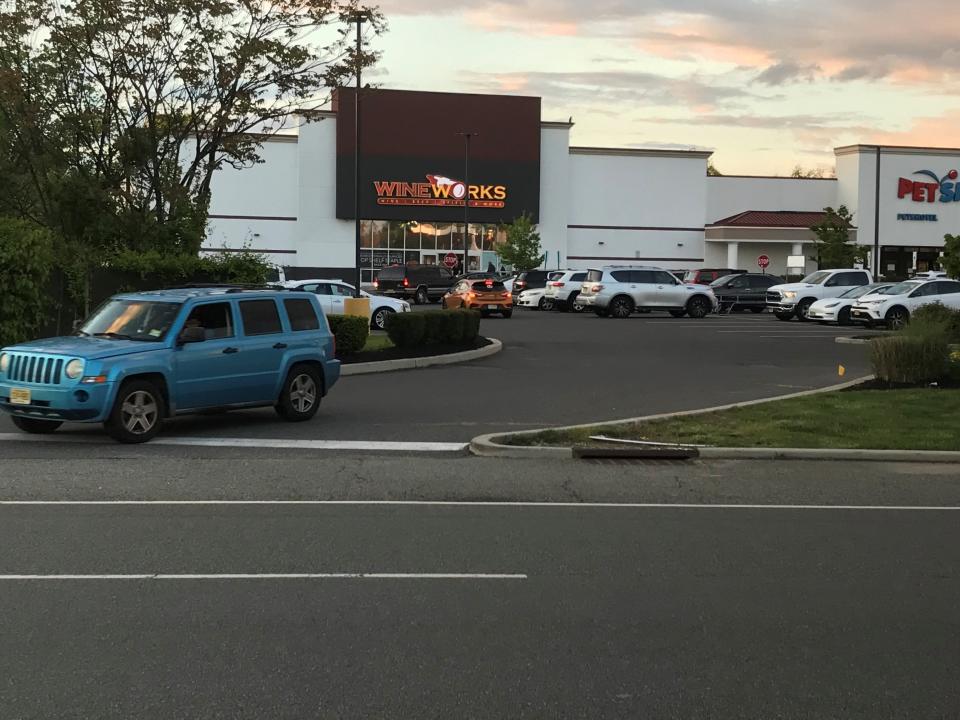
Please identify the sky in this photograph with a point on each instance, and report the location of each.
(765, 84)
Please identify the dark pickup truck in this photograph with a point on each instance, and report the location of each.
(420, 283)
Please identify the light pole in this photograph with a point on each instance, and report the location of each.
(359, 18)
(467, 136)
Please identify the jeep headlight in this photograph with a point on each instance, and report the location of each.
(789, 295)
(4, 362)
(74, 369)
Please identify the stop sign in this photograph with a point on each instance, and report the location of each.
(763, 261)
(450, 260)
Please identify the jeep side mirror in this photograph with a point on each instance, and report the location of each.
(192, 335)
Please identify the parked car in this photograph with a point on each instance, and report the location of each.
(488, 296)
(420, 283)
(531, 279)
(144, 357)
(838, 309)
(708, 275)
(533, 299)
(562, 291)
(894, 305)
(794, 299)
(619, 291)
(744, 291)
(333, 293)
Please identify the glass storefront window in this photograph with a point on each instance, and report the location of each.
(366, 230)
(428, 236)
(457, 238)
(489, 237)
(444, 231)
(412, 237)
(396, 234)
(380, 233)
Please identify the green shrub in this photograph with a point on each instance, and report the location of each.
(406, 330)
(908, 359)
(350, 331)
(451, 327)
(471, 326)
(935, 319)
(433, 328)
(27, 260)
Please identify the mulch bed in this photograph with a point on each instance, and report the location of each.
(419, 352)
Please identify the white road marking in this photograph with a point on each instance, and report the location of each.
(218, 442)
(472, 503)
(273, 576)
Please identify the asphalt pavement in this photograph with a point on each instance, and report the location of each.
(561, 369)
(193, 583)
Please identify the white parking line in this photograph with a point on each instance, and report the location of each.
(337, 445)
(270, 576)
(474, 504)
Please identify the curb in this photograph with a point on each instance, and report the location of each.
(927, 456)
(852, 341)
(370, 368)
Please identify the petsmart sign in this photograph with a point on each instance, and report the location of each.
(931, 188)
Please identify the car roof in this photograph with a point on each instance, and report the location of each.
(182, 295)
(298, 283)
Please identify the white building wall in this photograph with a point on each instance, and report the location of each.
(554, 191)
(729, 195)
(636, 206)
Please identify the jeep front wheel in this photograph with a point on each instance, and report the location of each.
(137, 413)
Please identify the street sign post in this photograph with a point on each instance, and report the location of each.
(450, 260)
(764, 262)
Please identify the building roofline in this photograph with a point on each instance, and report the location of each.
(895, 150)
(557, 124)
(769, 177)
(641, 152)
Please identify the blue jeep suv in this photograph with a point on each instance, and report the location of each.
(143, 357)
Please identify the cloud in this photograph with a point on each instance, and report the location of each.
(787, 71)
(785, 39)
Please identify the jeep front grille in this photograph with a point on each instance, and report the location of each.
(35, 369)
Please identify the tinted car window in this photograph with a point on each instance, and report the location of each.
(645, 277)
(578, 277)
(260, 317)
(318, 288)
(664, 278)
(949, 287)
(594, 276)
(925, 290)
(736, 283)
(393, 272)
(763, 281)
(850, 278)
(215, 319)
(302, 315)
(487, 285)
(342, 290)
(622, 276)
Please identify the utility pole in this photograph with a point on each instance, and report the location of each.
(466, 135)
(359, 18)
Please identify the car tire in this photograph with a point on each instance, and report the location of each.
(301, 394)
(572, 303)
(678, 313)
(548, 305)
(802, 307)
(137, 413)
(757, 310)
(843, 317)
(698, 307)
(786, 317)
(621, 307)
(379, 321)
(34, 426)
(421, 297)
(897, 317)
(542, 305)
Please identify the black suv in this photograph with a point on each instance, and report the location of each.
(420, 283)
(530, 280)
(746, 290)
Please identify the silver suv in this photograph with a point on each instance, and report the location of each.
(620, 290)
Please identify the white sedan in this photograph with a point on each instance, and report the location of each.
(534, 299)
(332, 294)
(837, 310)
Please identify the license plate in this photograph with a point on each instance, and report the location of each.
(491, 307)
(19, 396)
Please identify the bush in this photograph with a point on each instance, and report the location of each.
(935, 320)
(27, 252)
(406, 330)
(471, 326)
(909, 359)
(350, 331)
(433, 328)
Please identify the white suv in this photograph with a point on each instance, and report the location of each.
(794, 299)
(563, 291)
(620, 290)
(894, 305)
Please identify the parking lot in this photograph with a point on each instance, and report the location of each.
(560, 369)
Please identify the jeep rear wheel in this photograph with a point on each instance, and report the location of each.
(36, 427)
(137, 414)
(621, 307)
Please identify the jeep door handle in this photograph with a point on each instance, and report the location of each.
(230, 351)
(280, 346)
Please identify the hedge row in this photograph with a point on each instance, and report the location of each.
(921, 353)
(350, 331)
(447, 327)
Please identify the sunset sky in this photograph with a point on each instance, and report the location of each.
(767, 85)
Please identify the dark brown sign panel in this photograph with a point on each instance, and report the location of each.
(413, 156)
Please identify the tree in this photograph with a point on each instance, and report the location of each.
(522, 249)
(814, 173)
(125, 109)
(834, 246)
(712, 170)
(951, 255)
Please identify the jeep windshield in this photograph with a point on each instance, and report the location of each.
(816, 278)
(140, 320)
